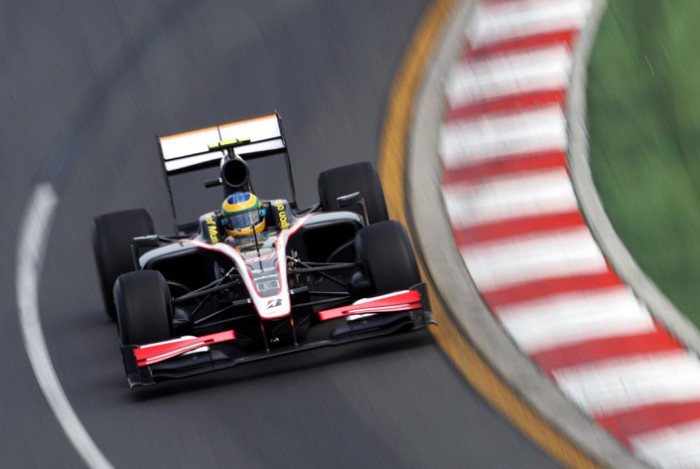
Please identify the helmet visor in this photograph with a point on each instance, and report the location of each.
(243, 220)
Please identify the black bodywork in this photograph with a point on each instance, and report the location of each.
(209, 295)
(307, 257)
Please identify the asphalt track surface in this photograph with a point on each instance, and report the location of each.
(84, 86)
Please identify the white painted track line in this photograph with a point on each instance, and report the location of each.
(34, 233)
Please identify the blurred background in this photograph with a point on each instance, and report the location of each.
(644, 116)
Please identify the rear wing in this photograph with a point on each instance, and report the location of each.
(189, 151)
(207, 148)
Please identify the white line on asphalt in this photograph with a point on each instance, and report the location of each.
(33, 236)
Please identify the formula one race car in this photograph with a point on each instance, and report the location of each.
(258, 278)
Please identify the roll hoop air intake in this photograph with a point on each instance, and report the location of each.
(235, 173)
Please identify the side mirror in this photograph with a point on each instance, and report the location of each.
(149, 241)
(213, 182)
(349, 199)
(354, 199)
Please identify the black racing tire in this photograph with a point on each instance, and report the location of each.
(357, 177)
(386, 253)
(111, 244)
(144, 307)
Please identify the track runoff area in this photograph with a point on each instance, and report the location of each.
(517, 222)
(392, 167)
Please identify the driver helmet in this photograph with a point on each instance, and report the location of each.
(241, 213)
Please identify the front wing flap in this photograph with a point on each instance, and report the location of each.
(365, 319)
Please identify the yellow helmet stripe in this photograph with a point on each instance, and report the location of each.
(247, 231)
(251, 202)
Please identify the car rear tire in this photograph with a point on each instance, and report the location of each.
(387, 255)
(111, 243)
(357, 177)
(144, 307)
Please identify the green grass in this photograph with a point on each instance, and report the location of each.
(644, 126)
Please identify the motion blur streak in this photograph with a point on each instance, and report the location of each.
(33, 235)
(392, 169)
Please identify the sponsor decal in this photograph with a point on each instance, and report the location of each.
(274, 303)
(282, 213)
(267, 285)
(211, 228)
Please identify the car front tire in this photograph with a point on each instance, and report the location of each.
(144, 308)
(112, 234)
(386, 253)
(348, 179)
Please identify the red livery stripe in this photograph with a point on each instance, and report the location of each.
(392, 303)
(150, 354)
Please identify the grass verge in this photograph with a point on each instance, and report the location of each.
(644, 126)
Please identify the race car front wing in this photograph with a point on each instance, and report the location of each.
(365, 319)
